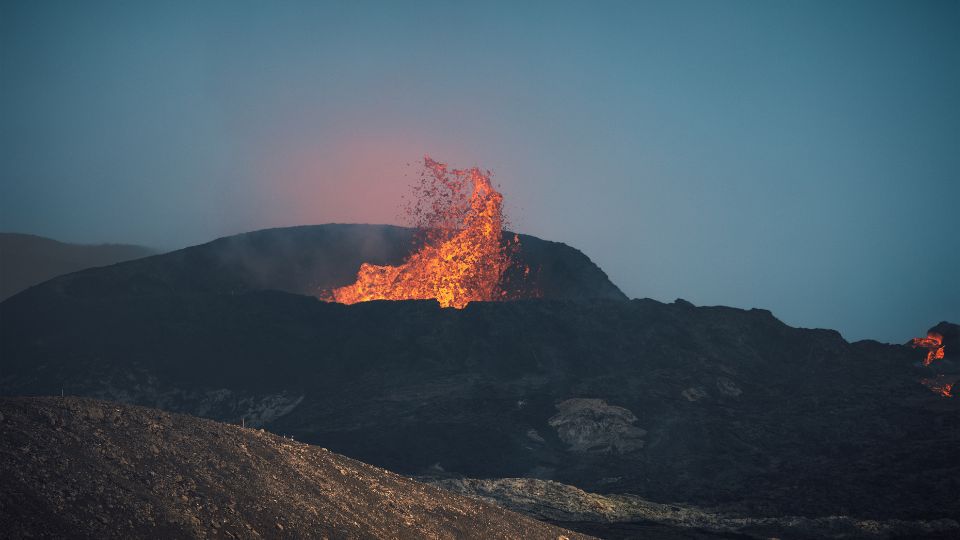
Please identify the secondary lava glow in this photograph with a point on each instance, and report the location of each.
(934, 345)
(462, 258)
(939, 386)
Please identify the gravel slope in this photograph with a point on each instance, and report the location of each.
(83, 468)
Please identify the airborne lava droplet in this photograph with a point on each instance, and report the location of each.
(459, 218)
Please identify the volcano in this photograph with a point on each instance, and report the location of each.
(724, 408)
(314, 259)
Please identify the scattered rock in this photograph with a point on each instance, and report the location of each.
(534, 436)
(695, 393)
(591, 425)
(727, 387)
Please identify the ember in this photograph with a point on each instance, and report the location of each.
(934, 345)
(459, 217)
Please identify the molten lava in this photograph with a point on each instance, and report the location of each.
(459, 216)
(939, 386)
(934, 345)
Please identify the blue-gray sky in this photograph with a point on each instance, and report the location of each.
(802, 157)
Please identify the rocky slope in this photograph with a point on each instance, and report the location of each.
(629, 516)
(26, 260)
(80, 468)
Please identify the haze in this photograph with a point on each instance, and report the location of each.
(802, 157)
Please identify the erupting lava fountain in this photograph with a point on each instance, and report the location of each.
(459, 218)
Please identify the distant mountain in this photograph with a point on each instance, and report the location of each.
(26, 260)
(80, 468)
(726, 409)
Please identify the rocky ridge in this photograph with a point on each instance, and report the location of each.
(560, 503)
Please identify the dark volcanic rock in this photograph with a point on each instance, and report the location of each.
(712, 406)
(79, 468)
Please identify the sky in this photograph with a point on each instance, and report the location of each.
(802, 157)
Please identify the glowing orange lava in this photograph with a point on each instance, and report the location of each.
(939, 386)
(934, 345)
(462, 259)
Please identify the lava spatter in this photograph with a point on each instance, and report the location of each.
(934, 345)
(462, 258)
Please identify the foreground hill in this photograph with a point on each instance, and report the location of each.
(26, 260)
(81, 468)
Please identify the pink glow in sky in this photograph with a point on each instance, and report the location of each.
(360, 178)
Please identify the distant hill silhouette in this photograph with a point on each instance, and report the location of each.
(26, 259)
